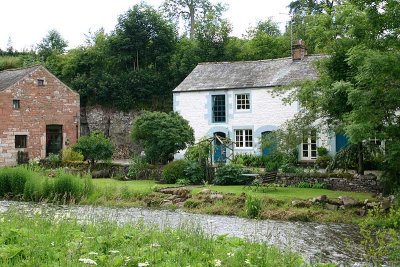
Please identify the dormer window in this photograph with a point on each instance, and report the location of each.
(40, 82)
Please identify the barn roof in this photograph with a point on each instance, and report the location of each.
(249, 74)
(11, 76)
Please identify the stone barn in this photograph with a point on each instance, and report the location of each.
(39, 114)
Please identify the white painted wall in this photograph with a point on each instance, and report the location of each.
(266, 113)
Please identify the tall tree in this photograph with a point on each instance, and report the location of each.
(52, 43)
(191, 12)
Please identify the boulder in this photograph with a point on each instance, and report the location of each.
(385, 204)
(334, 201)
(348, 201)
(361, 212)
(321, 199)
(331, 206)
(216, 196)
(205, 191)
(166, 203)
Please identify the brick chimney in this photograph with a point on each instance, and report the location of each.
(298, 50)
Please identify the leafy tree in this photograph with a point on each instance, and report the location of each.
(162, 134)
(267, 27)
(53, 43)
(191, 12)
(95, 147)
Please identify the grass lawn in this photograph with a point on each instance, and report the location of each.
(280, 193)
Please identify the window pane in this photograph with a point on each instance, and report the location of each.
(16, 104)
(20, 141)
(243, 102)
(218, 108)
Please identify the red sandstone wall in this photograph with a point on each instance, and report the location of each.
(53, 103)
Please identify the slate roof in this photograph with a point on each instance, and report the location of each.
(249, 74)
(9, 77)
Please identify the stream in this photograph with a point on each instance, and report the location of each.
(316, 242)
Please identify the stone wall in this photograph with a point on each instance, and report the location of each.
(114, 124)
(356, 183)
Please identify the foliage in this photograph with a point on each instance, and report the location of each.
(229, 174)
(12, 180)
(251, 160)
(323, 161)
(322, 151)
(52, 44)
(253, 207)
(162, 134)
(69, 154)
(26, 241)
(313, 185)
(70, 188)
(175, 170)
(195, 172)
(183, 181)
(95, 147)
(380, 236)
(138, 167)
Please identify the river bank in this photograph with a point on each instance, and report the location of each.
(315, 242)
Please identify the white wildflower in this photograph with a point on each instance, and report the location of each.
(128, 259)
(230, 254)
(247, 261)
(155, 245)
(217, 262)
(52, 244)
(88, 261)
(93, 253)
(143, 264)
(113, 251)
(2, 220)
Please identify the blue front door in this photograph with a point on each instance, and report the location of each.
(266, 150)
(219, 147)
(341, 142)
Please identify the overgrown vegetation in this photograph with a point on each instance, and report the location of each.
(25, 241)
(22, 184)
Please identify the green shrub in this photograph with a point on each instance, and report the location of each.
(322, 151)
(229, 174)
(69, 154)
(183, 181)
(253, 207)
(34, 189)
(71, 188)
(303, 185)
(320, 186)
(54, 160)
(12, 180)
(138, 168)
(95, 147)
(323, 161)
(251, 160)
(195, 172)
(175, 170)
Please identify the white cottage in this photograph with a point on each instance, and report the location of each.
(233, 99)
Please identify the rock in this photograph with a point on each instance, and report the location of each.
(172, 197)
(385, 204)
(166, 203)
(348, 201)
(331, 206)
(301, 204)
(180, 204)
(334, 201)
(205, 191)
(321, 199)
(361, 212)
(216, 196)
(366, 201)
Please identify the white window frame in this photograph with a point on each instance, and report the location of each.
(308, 148)
(245, 104)
(244, 138)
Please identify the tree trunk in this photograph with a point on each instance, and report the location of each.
(192, 20)
(360, 155)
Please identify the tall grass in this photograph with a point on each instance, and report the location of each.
(22, 183)
(12, 181)
(26, 241)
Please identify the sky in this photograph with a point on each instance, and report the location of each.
(27, 22)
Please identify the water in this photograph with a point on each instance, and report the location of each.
(316, 242)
